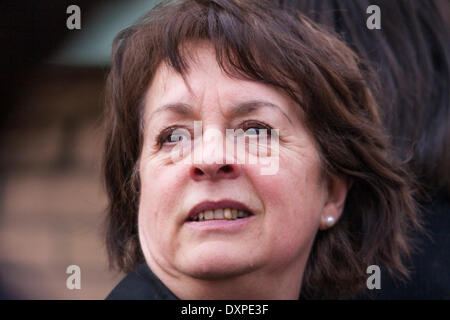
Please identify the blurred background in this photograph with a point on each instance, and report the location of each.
(52, 202)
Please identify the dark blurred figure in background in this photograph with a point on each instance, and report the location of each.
(410, 53)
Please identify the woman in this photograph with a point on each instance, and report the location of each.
(336, 202)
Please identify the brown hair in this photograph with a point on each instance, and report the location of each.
(412, 57)
(255, 40)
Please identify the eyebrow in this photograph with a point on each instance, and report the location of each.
(239, 109)
(248, 107)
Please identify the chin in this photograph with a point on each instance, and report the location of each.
(216, 264)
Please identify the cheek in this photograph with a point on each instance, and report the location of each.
(160, 187)
(293, 203)
(161, 182)
(294, 188)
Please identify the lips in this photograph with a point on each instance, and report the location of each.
(213, 205)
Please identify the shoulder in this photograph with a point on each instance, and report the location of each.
(141, 284)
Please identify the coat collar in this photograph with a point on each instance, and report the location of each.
(141, 284)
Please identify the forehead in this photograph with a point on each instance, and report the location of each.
(206, 82)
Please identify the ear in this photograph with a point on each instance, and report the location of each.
(337, 189)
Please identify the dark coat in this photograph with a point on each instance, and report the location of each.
(141, 284)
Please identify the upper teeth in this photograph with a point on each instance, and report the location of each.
(220, 214)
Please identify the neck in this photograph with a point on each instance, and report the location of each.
(281, 284)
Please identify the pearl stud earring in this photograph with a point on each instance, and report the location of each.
(329, 221)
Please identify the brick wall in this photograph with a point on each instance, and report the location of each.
(51, 196)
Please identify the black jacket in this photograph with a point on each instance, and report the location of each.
(141, 284)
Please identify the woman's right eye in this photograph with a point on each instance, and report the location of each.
(172, 135)
(175, 137)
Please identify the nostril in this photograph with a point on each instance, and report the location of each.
(213, 172)
(226, 169)
(199, 172)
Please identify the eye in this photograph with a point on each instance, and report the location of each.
(173, 135)
(255, 127)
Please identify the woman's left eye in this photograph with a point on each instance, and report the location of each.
(255, 127)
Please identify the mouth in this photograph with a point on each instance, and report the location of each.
(221, 210)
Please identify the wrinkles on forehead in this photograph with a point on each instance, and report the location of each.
(199, 56)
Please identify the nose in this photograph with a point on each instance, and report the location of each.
(214, 171)
(212, 158)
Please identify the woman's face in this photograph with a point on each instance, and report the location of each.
(287, 207)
